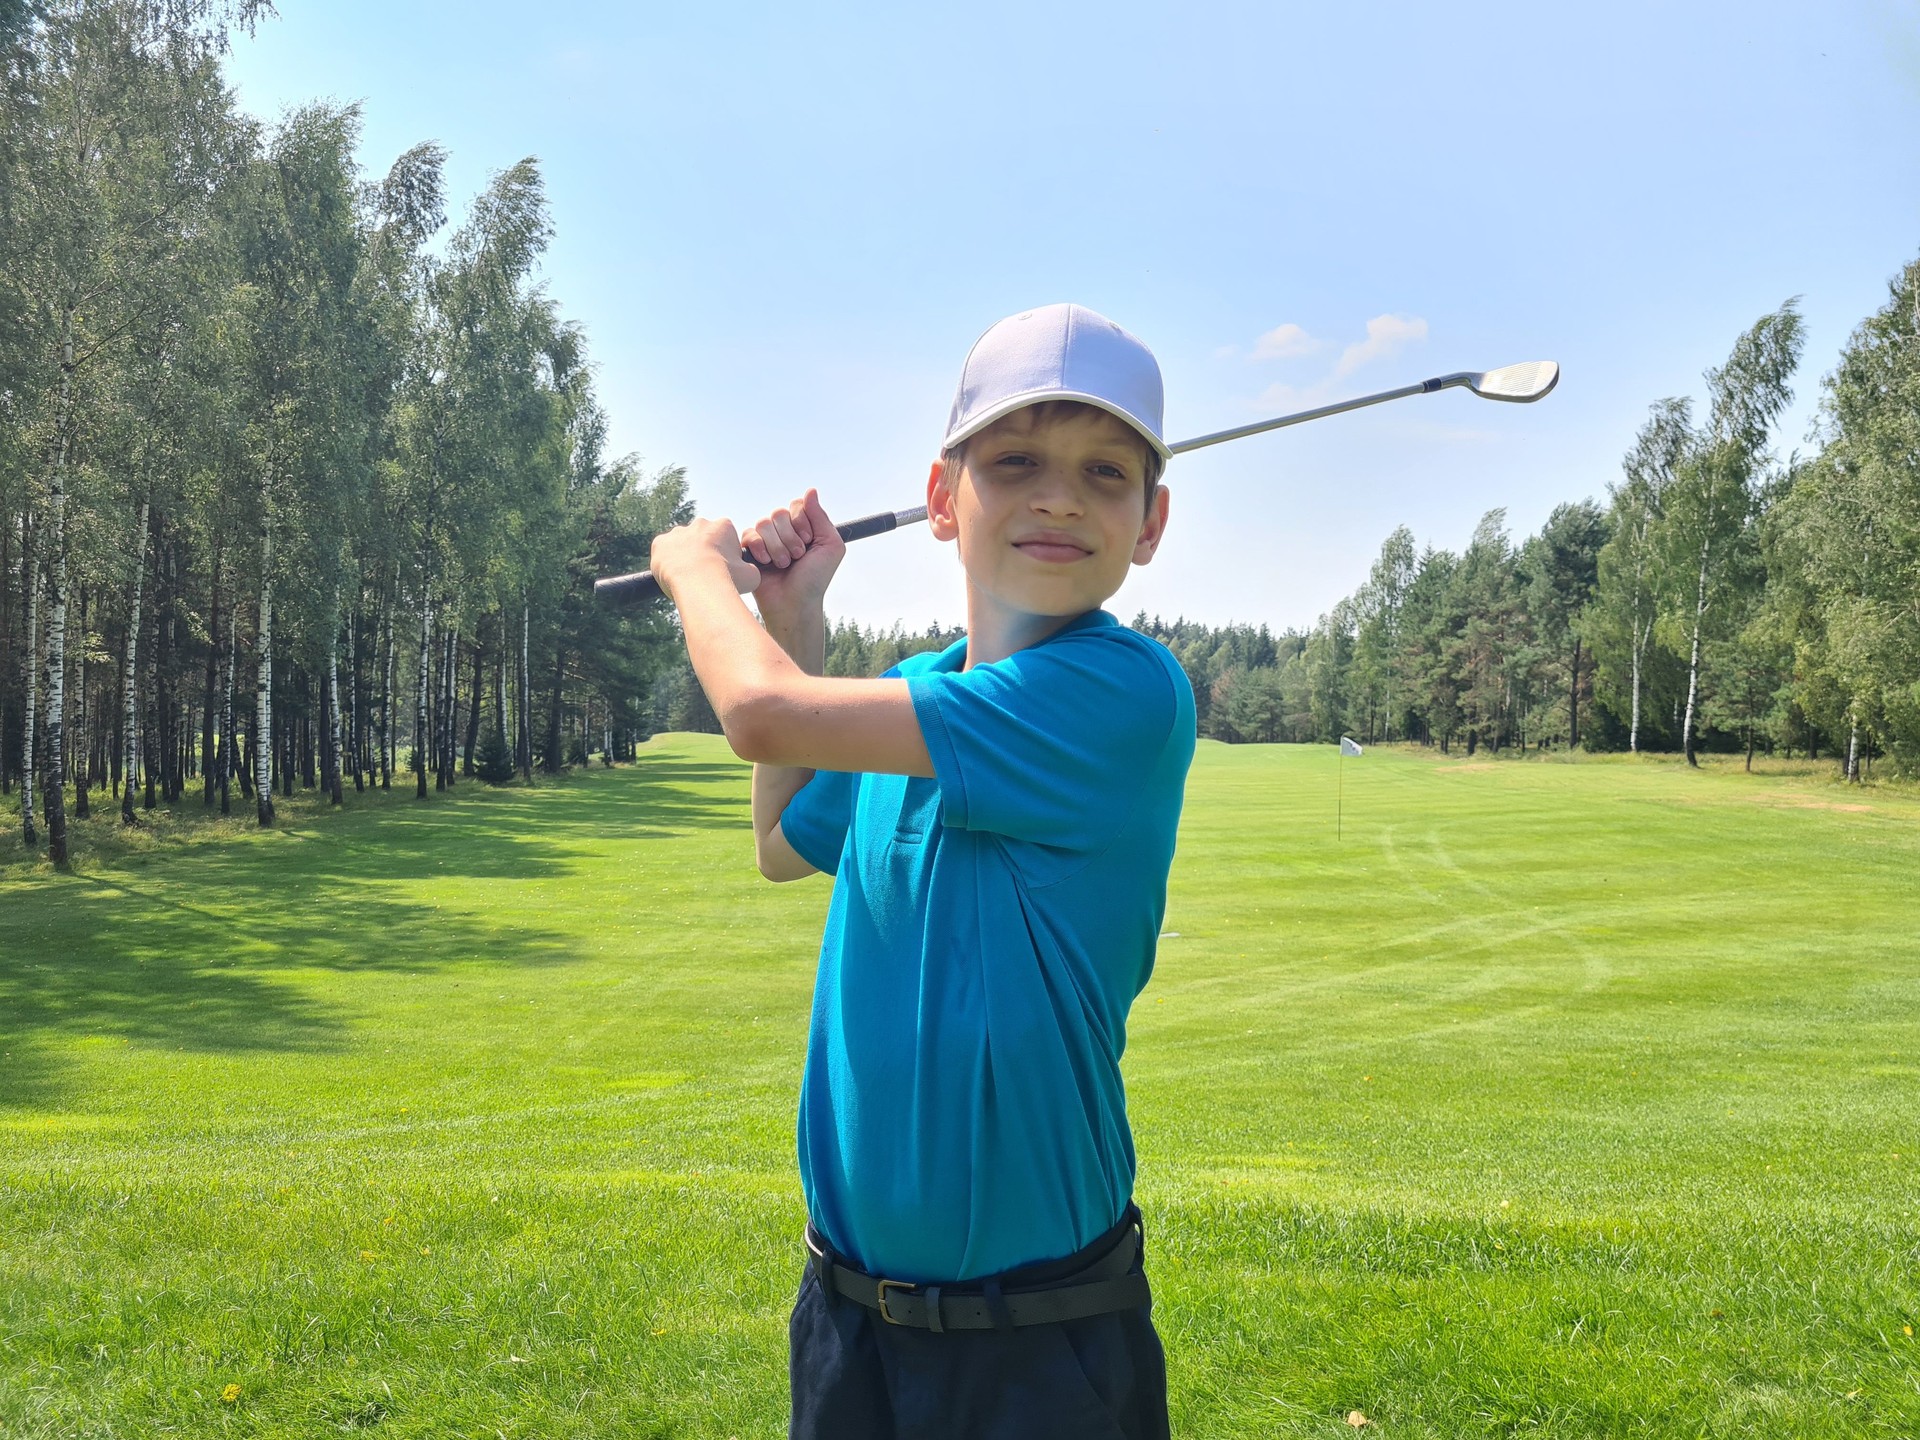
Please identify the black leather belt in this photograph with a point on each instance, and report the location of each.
(1105, 1285)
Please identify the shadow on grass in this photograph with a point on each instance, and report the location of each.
(182, 947)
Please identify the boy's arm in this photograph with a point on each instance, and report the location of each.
(804, 638)
(764, 685)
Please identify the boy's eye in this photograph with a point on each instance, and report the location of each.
(1015, 458)
(1110, 472)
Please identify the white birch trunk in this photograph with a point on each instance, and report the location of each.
(56, 800)
(82, 752)
(444, 731)
(1693, 664)
(30, 676)
(355, 737)
(130, 676)
(387, 678)
(522, 715)
(229, 750)
(1633, 732)
(263, 675)
(500, 687)
(420, 738)
(1853, 749)
(55, 806)
(332, 779)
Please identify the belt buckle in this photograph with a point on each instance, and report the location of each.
(884, 1286)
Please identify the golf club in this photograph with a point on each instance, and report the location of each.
(1518, 384)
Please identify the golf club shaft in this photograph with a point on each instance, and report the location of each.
(632, 589)
(1260, 427)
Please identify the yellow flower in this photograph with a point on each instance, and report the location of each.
(426, 1250)
(366, 1255)
(230, 1395)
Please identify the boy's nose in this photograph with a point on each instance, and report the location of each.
(1056, 493)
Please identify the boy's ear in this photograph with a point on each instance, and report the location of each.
(1152, 530)
(941, 519)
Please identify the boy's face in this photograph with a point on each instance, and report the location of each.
(1049, 513)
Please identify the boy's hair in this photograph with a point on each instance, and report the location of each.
(1047, 412)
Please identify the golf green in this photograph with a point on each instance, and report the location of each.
(1559, 1097)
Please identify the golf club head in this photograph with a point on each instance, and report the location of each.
(1521, 384)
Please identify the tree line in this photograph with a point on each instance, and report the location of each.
(1724, 597)
(296, 488)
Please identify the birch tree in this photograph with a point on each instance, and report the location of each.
(1709, 504)
(1377, 638)
(1854, 516)
(1620, 625)
(299, 249)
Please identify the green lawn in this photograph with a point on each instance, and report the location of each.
(1557, 1098)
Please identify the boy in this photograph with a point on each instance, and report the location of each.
(1000, 821)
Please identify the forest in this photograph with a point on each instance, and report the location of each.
(295, 487)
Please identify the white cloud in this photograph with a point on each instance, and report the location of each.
(1277, 397)
(1387, 335)
(1285, 342)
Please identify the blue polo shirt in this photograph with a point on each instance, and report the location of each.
(961, 1111)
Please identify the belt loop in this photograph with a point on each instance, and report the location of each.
(933, 1310)
(997, 1311)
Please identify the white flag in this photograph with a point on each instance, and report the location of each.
(1347, 746)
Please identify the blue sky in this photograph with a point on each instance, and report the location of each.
(783, 226)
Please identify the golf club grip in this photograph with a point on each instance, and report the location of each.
(634, 589)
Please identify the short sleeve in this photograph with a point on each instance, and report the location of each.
(1053, 744)
(816, 819)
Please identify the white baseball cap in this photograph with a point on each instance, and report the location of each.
(1058, 352)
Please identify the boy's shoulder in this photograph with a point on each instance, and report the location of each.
(1094, 637)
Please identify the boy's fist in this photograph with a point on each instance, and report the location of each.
(798, 550)
(698, 543)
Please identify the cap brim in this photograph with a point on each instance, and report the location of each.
(975, 424)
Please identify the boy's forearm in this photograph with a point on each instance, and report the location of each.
(803, 638)
(735, 660)
(774, 710)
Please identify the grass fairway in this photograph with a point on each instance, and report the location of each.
(1564, 1099)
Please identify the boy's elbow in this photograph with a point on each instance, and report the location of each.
(776, 872)
(754, 727)
(779, 862)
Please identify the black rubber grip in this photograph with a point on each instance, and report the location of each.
(868, 525)
(635, 589)
(626, 589)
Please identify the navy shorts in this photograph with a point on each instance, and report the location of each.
(855, 1377)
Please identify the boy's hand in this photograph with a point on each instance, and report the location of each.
(801, 550)
(700, 544)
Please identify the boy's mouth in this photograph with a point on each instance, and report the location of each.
(1052, 545)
